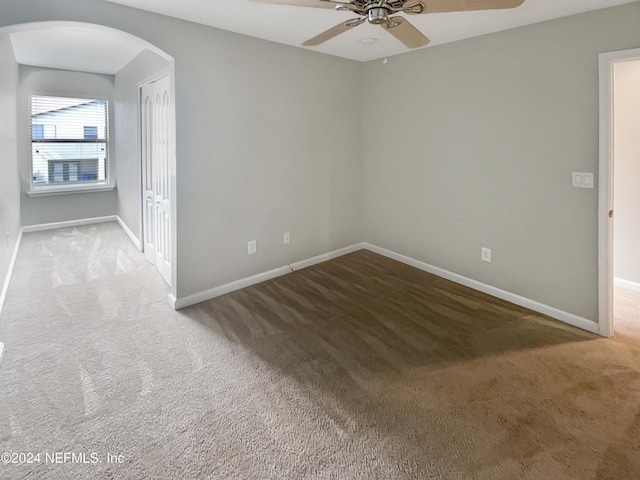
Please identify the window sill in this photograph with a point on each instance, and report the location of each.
(67, 190)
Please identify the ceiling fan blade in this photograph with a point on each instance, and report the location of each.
(404, 31)
(333, 32)
(442, 6)
(300, 3)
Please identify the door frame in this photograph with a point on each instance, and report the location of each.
(169, 71)
(605, 197)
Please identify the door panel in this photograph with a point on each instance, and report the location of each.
(156, 103)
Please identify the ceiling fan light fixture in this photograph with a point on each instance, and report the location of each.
(368, 40)
(378, 12)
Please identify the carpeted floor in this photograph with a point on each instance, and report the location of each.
(626, 314)
(358, 368)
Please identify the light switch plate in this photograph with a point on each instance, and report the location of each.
(583, 179)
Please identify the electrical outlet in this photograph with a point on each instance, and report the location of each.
(287, 238)
(252, 247)
(485, 254)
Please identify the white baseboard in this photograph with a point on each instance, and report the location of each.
(173, 301)
(178, 303)
(12, 264)
(67, 224)
(199, 297)
(129, 233)
(566, 317)
(629, 285)
(326, 256)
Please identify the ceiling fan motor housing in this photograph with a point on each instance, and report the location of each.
(378, 15)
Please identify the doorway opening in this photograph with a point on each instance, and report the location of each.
(619, 202)
(59, 57)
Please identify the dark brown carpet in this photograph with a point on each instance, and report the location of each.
(358, 368)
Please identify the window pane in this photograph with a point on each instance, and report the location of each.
(37, 132)
(73, 172)
(69, 140)
(90, 133)
(56, 174)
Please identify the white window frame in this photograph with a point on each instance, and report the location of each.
(39, 190)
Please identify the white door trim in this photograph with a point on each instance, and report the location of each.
(605, 198)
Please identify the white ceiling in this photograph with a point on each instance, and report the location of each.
(84, 49)
(102, 50)
(293, 25)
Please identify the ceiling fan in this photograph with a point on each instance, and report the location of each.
(378, 12)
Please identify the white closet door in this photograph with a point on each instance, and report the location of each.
(156, 217)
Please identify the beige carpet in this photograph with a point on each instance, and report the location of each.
(626, 314)
(359, 368)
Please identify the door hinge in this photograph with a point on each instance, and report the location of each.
(610, 213)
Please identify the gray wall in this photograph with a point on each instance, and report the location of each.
(58, 208)
(626, 234)
(268, 141)
(488, 131)
(9, 186)
(144, 67)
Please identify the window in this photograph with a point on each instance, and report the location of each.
(69, 142)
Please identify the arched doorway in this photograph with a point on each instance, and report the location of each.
(71, 48)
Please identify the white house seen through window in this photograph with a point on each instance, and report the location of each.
(69, 141)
